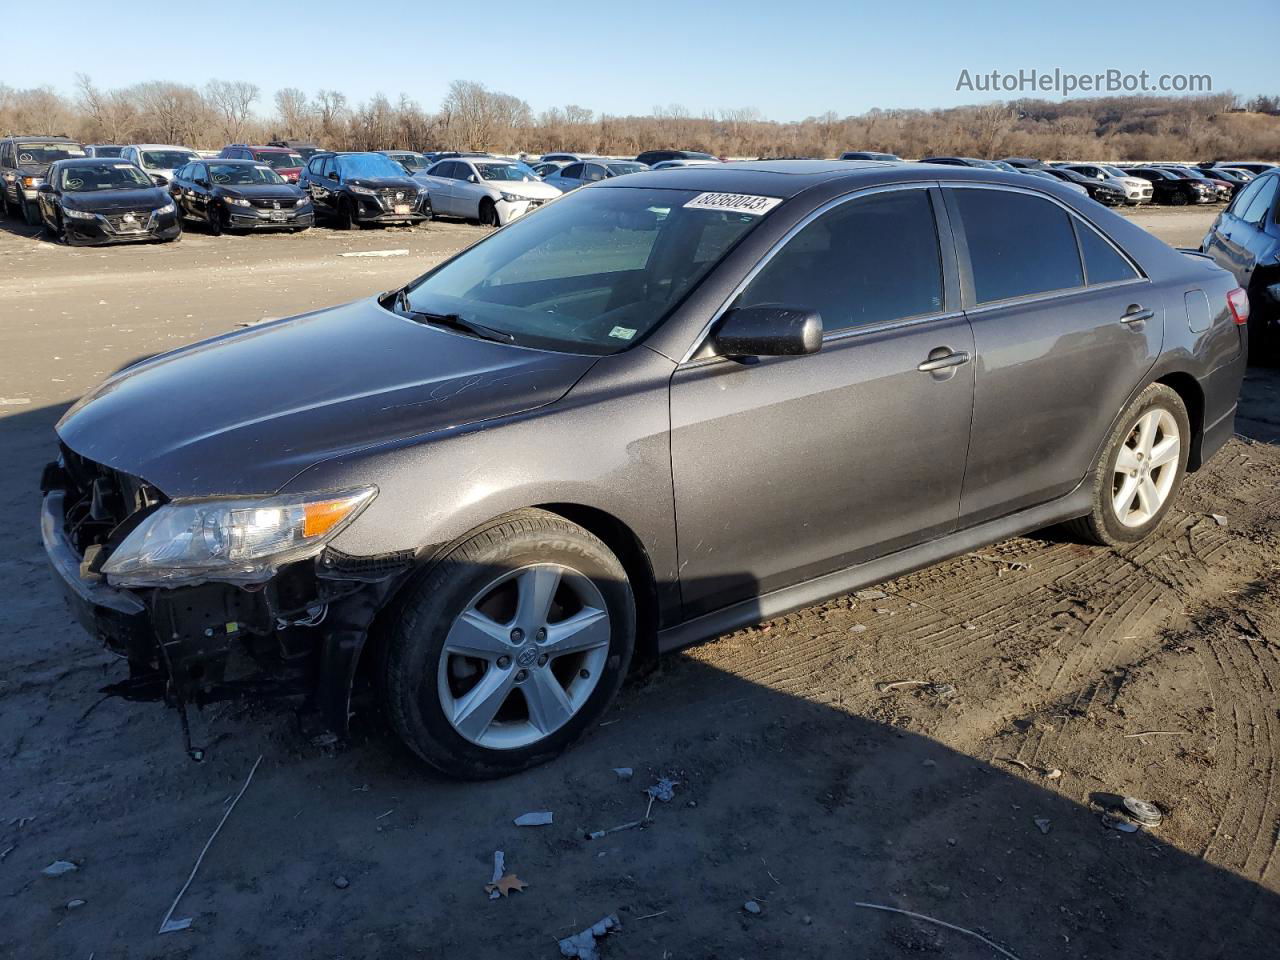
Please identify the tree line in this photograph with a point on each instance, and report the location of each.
(473, 117)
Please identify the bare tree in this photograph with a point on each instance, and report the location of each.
(297, 115)
(233, 101)
(111, 112)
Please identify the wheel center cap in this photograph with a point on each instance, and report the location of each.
(527, 656)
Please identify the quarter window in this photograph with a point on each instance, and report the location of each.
(1102, 264)
(1019, 245)
(866, 261)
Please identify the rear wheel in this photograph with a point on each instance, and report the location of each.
(1140, 471)
(508, 649)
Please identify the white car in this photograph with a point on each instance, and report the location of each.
(1049, 176)
(491, 190)
(1136, 190)
(158, 159)
(672, 164)
(575, 175)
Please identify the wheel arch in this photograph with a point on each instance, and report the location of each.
(1189, 390)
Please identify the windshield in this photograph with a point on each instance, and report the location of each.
(504, 171)
(166, 159)
(113, 176)
(281, 161)
(1114, 171)
(413, 162)
(242, 174)
(618, 169)
(46, 153)
(593, 272)
(359, 165)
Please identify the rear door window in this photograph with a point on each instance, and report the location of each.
(572, 172)
(867, 261)
(1261, 202)
(1019, 245)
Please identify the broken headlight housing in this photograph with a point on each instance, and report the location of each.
(241, 540)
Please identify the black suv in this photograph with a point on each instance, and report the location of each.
(239, 195)
(24, 163)
(650, 157)
(304, 147)
(354, 189)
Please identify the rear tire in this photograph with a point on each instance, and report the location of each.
(1142, 437)
(491, 580)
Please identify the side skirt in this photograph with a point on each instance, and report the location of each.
(787, 599)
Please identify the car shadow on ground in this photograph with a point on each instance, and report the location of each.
(784, 797)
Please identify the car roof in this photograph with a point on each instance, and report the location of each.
(245, 160)
(89, 162)
(789, 178)
(161, 146)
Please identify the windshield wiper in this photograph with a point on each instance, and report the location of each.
(452, 320)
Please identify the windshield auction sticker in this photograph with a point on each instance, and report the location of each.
(733, 203)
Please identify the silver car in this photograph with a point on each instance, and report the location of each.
(591, 171)
(493, 191)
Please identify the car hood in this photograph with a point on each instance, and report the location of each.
(385, 183)
(529, 189)
(108, 201)
(246, 412)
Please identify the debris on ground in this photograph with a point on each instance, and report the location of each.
(505, 884)
(942, 923)
(752, 907)
(75, 904)
(537, 818)
(630, 825)
(376, 253)
(582, 945)
(624, 773)
(858, 628)
(1043, 824)
(168, 924)
(871, 595)
(943, 690)
(1113, 822)
(1143, 811)
(1219, 519)
(899, 684)
(1054, 774)
(663, 790)
(341, 883)
(1003, 566)
(499, 868)
(58, 868)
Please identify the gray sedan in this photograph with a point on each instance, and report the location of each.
(665, 407)
(575, 175)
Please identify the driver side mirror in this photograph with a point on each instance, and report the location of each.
(770, 330)
(472, 178)
(45, 188)
(159, 181)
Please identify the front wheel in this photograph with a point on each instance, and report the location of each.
(1179, 199)
(217, 220)
(1140, 471)
(503, 653)
(489, 213)
(31, 214)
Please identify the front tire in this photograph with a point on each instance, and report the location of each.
(503, 653)
(1179, 199)
(489, 213)
(1140, 472)
(31, 214)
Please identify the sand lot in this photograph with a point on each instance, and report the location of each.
(802, 784)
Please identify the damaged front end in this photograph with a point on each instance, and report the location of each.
(216, 599)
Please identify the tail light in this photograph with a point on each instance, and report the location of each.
(1238, 302)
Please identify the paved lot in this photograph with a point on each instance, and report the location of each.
(804, 786)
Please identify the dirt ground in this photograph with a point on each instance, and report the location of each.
(1054, 677)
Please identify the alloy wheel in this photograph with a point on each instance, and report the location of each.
(1146, 467)
(524, 656)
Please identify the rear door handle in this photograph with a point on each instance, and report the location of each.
(941, 363)
(1136, 314)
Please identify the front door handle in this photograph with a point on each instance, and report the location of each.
(1136, 314)
(942, 363)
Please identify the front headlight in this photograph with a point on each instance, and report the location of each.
(237, 201)
(363, 191)
(167, 208)
(79, 214)
(231, 540)
(512, 198)
(33, 183)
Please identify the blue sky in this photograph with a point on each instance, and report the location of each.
(789, 60)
